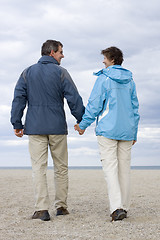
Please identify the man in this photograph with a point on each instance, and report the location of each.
(43, 87)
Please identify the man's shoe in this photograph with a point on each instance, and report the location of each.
(118, 214)
(43, 215)
(62, 211)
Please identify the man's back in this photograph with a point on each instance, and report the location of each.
(44, 83)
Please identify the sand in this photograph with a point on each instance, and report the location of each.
(88, 206)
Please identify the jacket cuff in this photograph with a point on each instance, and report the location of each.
(82, 126)
(18, 126)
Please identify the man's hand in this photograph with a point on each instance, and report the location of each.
(77, 128)
(18, 132)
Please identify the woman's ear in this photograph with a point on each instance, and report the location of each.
(112, 61)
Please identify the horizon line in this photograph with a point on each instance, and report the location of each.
(152, 167)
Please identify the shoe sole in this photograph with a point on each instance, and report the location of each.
(62, 214)
(48, 219)
(43, 219)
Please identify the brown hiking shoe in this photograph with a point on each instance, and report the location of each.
(62, 211)
(43, 215)
(118, 214)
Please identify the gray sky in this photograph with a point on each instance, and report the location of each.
(84, 28)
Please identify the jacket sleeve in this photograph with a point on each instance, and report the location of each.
(19, 103)
(72, 96)
(95, 104)
(135, 106)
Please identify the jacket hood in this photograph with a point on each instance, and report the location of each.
(117, 73)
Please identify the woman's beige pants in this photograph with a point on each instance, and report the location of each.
(116, 157)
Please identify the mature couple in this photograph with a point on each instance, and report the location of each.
(43, 87)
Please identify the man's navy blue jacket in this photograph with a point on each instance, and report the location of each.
(43, 87)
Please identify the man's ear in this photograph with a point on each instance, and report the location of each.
(52, 53)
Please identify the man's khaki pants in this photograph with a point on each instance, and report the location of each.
(38, 148)
(116, 157)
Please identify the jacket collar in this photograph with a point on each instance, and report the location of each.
(48, 59)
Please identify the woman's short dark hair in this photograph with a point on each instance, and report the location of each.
(113, 53)
(50, 45)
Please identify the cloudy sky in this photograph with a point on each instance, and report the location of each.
(84, 28)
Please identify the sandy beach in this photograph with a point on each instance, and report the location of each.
(88, 206)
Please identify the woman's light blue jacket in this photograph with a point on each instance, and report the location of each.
(114, 102)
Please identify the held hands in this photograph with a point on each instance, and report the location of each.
(77, 128)
(18, 132)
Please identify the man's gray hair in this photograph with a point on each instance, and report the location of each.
(50, 45)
